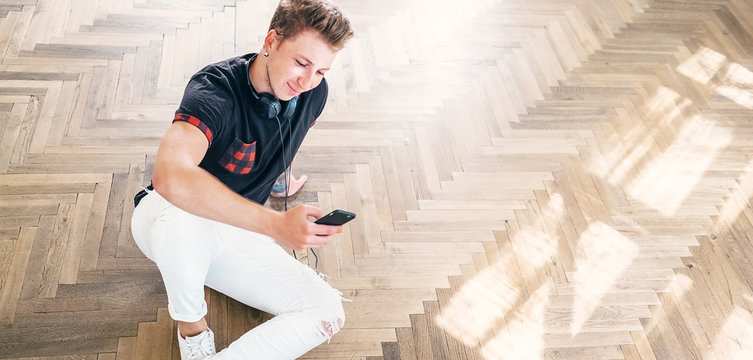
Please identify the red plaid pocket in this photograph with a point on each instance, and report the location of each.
(239, 157)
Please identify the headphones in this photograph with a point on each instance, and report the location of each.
(266, 105)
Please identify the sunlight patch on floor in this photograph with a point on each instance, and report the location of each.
(491, 309)
(703, 65)
(668, 179)
(736, 336)
(536, 244)
(727, 78)
(739, 199)
(628, 149)
(434, 22)
(607, 254)
(677, 289)
(523, 338)
(481, 303)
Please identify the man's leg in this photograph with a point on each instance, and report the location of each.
(181, 245)
(254, 270)
(188, 329)
(246, 266)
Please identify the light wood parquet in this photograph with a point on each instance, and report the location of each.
(533, 179)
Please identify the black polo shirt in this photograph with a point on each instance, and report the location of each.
(245, 152)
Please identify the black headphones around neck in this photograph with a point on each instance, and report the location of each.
(267, 105)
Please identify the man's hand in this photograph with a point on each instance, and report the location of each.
(294, 230)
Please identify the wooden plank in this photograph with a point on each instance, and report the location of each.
(11, 133)
(328, 258)
(405, 344)
(145, 343)
(14, 280)
(44, 121)
(421, 337)
(392, 184)
(390, 350)
(56, 252)
(22, 25)
(381, 199)
(90, 251)
(107, 356)
(165, 336)
(344, 242)
(37, 261)
(62, 114)
(357, 228)
(133, 185)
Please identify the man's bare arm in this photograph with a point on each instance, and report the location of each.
(179, 179)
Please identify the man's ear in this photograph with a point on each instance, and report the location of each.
(271, 41)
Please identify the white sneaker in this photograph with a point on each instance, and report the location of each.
(197, 347)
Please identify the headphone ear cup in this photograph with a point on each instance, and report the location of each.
(265, 105)
(268, 106)
(290, 108)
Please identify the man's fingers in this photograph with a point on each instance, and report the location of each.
(325, 229)
(312, 211)
(317, 241)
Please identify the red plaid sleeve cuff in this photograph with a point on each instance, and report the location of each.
(195, 122)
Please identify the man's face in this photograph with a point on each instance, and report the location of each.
(298, 65)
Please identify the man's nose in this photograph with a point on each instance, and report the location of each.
(306, 80)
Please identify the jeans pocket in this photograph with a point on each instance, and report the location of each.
(239, 157)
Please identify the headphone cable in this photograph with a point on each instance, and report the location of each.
(284, 161)
(286, 173)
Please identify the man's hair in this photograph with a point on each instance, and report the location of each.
(294, 16)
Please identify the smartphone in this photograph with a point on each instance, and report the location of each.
(336, 217)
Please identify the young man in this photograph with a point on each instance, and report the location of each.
(238, 127)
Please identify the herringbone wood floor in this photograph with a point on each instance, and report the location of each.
(534, 179)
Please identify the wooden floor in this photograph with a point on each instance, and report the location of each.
(534, 179)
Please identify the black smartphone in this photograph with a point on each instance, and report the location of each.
(336, 217)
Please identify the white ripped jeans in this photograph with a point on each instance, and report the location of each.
(191, 251)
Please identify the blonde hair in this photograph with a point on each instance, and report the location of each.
(294, 16)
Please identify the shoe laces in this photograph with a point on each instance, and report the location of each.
(202, 348)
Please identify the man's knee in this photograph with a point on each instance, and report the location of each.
(331, 326)
(333, 318)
